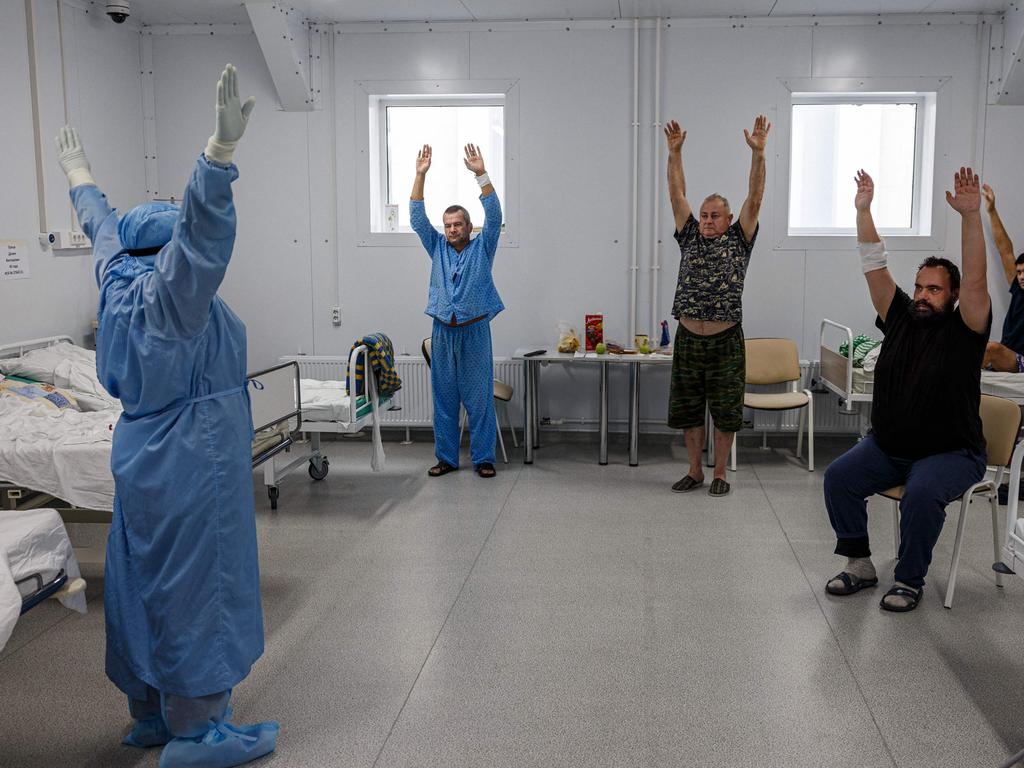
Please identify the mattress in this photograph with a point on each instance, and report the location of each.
(328, 401)
(32, 541)
(325, 401)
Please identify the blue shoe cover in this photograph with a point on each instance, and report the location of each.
(224, 746)
(151, 732)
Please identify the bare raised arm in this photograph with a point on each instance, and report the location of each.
(880, 283)
(1003, 243)
(975, 303)
(755, 192)
(681, 209)
(422, 166)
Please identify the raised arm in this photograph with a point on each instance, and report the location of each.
(97, 219)
(755, 189)
(681, 209)
(72, 159)
(873, 257)
(417, 211)
(189, 270)
(975, 304)
(1003, 243)
(492, 207)
(422, 166)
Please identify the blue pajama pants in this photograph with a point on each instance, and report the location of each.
(931, 483)
(462, 372)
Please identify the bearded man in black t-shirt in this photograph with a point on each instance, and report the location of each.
(925, 423)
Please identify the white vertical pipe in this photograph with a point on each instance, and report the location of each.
(636, 171)
(655, 197)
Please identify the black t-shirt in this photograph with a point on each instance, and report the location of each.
(1013, 323)
(927, 384)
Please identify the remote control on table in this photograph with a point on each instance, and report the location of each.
(535, 353)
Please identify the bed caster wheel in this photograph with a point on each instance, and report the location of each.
(273, 492)
(318, 474)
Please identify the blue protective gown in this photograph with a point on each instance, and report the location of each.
(181, 593)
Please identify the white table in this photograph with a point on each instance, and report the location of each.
(531, 368)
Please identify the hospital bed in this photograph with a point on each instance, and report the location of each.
(36, 562)
(854, 387)
(61, 458)
(327, 407)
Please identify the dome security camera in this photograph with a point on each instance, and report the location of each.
(119, 11)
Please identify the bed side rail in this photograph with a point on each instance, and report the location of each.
(19, 348)
(276, 396)
(837, 369)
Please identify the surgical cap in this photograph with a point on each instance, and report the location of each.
(149, 225)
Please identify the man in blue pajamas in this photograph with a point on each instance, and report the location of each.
(462, 301)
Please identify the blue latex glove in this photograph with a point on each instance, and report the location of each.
(232, 117)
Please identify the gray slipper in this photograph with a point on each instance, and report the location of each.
(686, 484)
(718, 487)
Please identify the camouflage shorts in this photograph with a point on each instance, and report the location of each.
(708, 370)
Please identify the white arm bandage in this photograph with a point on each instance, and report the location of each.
(483, 180)
(873, 256)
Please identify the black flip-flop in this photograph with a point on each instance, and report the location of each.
(913, 595)
(851, 584)
(441, 468)
(486, 470)
(686, 485)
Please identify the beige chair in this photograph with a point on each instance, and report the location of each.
(1000, 420)
(502, 393)
(775, 361)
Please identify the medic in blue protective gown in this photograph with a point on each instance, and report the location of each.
(462, 301)
(181, 594)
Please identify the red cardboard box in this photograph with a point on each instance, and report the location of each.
(594, 331)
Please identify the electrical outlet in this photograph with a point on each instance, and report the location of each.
(65, 240)
(336, 315)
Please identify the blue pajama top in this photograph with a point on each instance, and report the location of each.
(461, 283)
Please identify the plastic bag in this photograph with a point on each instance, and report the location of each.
(568, 338)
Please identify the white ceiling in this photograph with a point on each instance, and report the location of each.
(232, 11)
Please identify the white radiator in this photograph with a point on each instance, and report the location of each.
(412, 405)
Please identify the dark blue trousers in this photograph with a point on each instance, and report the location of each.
(931, 484)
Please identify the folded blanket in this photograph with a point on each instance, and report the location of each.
(861, 346)
(382, 361)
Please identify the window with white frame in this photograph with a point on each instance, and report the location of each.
(891, 135)
(402, 124)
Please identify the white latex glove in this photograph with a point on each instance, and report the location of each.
(72, 157)
(232, 117)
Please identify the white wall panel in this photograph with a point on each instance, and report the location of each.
(269, 281)
(102, 62)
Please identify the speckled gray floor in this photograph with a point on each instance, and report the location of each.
(567, 614)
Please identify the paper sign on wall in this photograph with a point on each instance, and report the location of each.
(14, 263)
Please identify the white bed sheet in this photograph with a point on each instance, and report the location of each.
(325, 401)
(33, 541)
(64, 453)
(1008, 385)
(65, 366)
